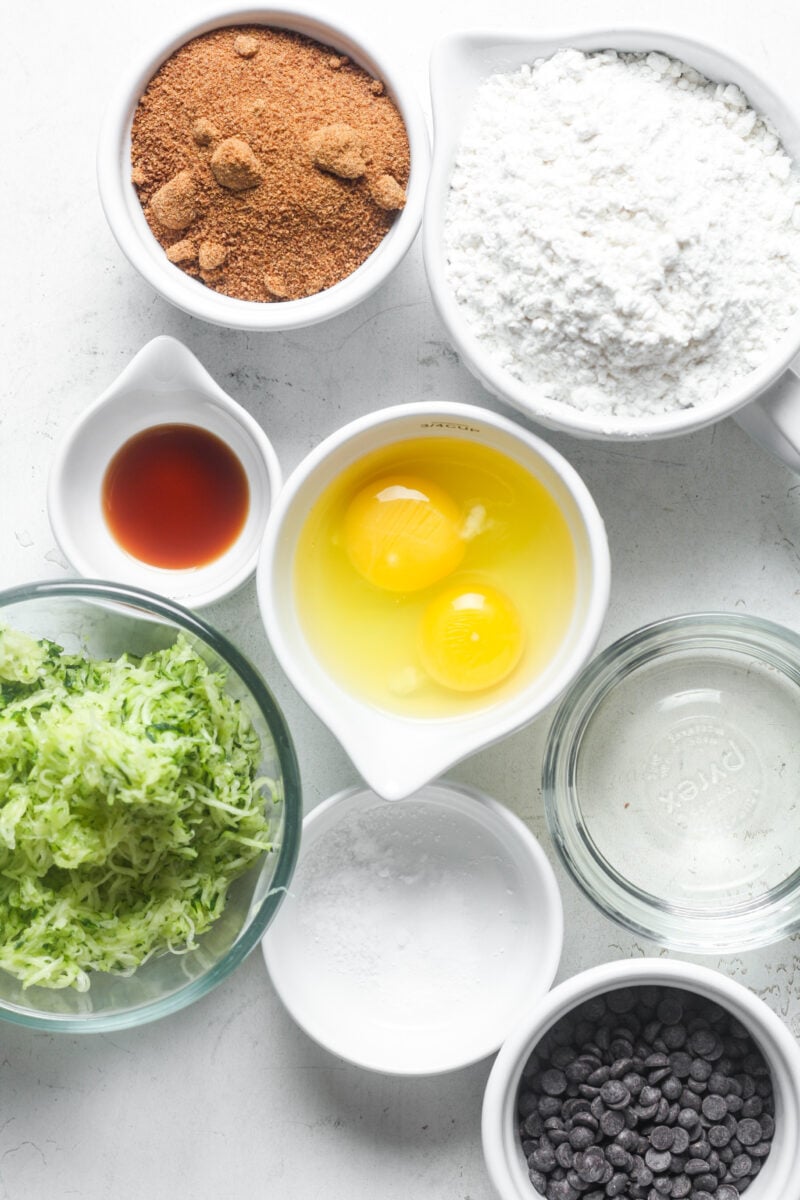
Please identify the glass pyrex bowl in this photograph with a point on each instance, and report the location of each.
(671, 782)
(105, 620)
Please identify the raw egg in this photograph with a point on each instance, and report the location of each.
(471, 637)
(434, 576)
(403, 533)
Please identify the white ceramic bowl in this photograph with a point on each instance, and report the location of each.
(164, 384)
(397, 754)
(416, 932)
(780, 1177)
(124, 211)
(459, 64)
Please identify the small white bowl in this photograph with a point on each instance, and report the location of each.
(459, 65)
(397, 754)
(416, 932)
(164, 384)
(124, 211)
(508, 1171)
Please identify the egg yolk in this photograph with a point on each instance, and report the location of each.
(471, 637)
(403, 533)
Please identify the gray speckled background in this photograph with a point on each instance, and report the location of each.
(229, 1099)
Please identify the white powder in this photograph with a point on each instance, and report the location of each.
(621, 232)
(388, 906)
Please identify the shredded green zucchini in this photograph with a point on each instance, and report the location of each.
(129, 801)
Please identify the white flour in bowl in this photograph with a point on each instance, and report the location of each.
(622, 233)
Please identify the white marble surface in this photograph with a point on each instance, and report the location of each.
(229, 1099)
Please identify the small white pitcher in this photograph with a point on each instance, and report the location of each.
(396, 754)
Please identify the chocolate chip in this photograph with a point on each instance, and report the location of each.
(629, 1140)
(753, 1107)
(533, 1125)
(562, 1056)
(670, 1011)
(590, 1166)
(715, 1108)
(617, 1184)
(561, 1190)
(702, 1041)
(553, 1082)
(615, 1094)
(645, 1178)
(658, 1160)
(748, 1131)
(549, 1106)
(681, 1064)
(674, 1036)
(700, 1070)
(565, 1155)
(718, 1136)
(740, 1166)
(578, 1071)
(656, 1060)
(680, 1140)
(580, 1138)
(543, 1159)
(768, 1126)
(633, 1082)
(621, 1159)
(662, 1137)
(539, 1182)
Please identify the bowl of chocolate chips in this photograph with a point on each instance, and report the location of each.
(263, 170)
(645, 1079)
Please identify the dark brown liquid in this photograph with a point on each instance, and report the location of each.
(175, 496)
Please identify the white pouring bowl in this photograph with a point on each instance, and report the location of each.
(397, 754)
(127, 221)
(459, 64)
(508, 1171)
(163, 384)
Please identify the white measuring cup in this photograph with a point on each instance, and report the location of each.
(766, 402)
(398, 754)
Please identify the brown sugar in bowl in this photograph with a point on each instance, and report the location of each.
(179, 246)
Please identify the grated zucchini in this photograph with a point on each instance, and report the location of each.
(129, 801)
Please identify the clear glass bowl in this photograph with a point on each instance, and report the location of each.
(671, 782)
(104, 620)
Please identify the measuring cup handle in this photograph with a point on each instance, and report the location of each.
(773, 420)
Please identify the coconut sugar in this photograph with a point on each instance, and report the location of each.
(267, 165)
